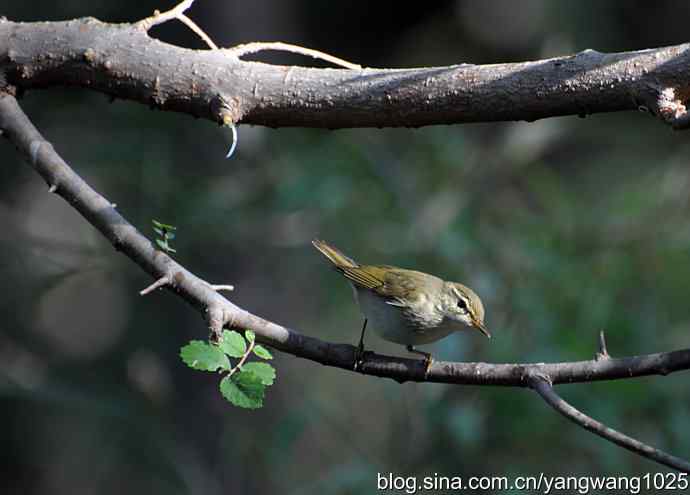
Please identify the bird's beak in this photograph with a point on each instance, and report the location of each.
(480, 326)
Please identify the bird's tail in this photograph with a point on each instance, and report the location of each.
(334, 255)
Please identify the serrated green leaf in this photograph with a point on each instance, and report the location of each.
(162, 225)
(164, 246)
(243, 389)
(264, 371)
(158, 231)
(262, 352)
(233, 344)
(249, 335)
(203, 356)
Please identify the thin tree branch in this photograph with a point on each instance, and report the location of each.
(122, 61)
(543, 387)
(203, 296)
(603, 352)
(197, 30)
(177, 12)
(240, 51)
(246, 354)
(161, 282)
(220, 312)
(220, 287)
(161, 17)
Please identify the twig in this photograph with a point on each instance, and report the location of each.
(543, 387)
(177, 12)
(163, 281)
(218, 310)
(161, 17)
(196, 29)
(238, 366)
(219, 288)
(258, 46)
(602, 353)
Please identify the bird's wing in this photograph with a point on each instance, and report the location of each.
(393, 284)
(365, 277)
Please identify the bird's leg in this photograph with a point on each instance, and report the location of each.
(359, 355)
(428, 359)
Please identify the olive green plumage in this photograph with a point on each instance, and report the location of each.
(407, 306)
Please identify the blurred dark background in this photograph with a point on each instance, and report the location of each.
(564, 226)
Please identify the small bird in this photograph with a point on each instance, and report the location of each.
(406, 306)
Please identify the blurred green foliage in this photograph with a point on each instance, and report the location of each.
(564, 227)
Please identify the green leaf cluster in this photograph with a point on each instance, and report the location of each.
(244, 384)
(166, 234)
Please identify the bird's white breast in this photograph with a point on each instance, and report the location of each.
(417, 324)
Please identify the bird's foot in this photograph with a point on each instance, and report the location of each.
(428, 359)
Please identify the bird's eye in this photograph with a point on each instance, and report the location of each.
(462, 305)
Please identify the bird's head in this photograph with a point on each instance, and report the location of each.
(463, 305)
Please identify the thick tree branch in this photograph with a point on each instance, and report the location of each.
(543, 387)
(121, 60)
(220, 312)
